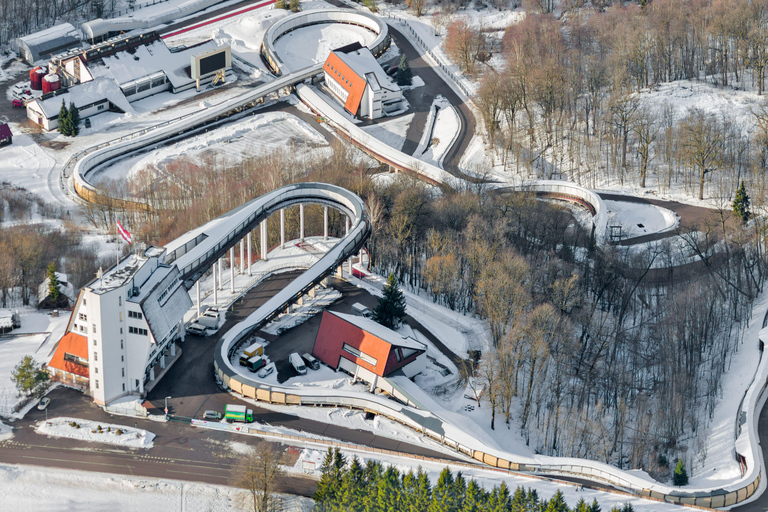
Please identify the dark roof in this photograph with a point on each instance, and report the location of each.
(351, 47)
(5, 131)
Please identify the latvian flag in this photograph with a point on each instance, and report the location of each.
(123, 232)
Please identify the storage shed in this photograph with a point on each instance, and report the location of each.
(44, 44)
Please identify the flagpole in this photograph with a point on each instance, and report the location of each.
(117, 245)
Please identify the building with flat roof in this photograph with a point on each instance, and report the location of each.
(366, 349)
(129, 320)
(358, 82)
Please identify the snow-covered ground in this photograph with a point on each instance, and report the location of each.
(87, 430)
(47, 331)
(306, 46)
(638, 219)
(444, 127)
(257, 134)
(391, 132)
(25, 488)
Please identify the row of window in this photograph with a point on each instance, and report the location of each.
(135, 314)
(137, 330)
(359, 354)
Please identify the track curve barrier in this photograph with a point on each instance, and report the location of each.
(316, 17)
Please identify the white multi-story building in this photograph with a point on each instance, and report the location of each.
(126, 324)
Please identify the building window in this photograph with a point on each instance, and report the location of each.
(97, 383)
(82, 317)
(135, 314)
(121, 341)
(123, 372)
(123, 386)
(122, 359)
(94, 328)
(121, 330)
(94, 342)
(361, 355)
(95, 356)
(95, 370)
(137, 330)
(121, 316)
(137, 383)
(83, 302)
(398, 355)
(119, 301)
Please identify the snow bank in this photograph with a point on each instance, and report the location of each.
(87, 430)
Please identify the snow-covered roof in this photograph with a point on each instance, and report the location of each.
(125, 67)
(162, 310)
(51, 39)
(365, 65)
(118, 275)
(381, 332)
(85, 94)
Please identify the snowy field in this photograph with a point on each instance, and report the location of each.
(444, 127)
(86, 430)
(25, 488)
(391, 132)
(638, 219)
(257, 134)
(47, 331)
(310, 45)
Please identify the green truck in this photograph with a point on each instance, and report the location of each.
(238, 413)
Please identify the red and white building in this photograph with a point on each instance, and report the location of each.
(355, 78)
(366, 349)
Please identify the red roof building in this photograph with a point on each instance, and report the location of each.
(362, 347)
(69, 363)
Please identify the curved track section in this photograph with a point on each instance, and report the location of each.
(316, 17)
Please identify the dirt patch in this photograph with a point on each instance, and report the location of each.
(54, 144)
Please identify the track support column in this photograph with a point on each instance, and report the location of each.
(197, 289)
(263, 237)
(282, 228)
(301, 222)
(232, 269)
(325, 223)
(221, 284)
(250, 234)
(242, 257)
(215, 288)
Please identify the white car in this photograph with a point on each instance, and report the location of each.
(43, 404)
(266, 371)
(198, 330)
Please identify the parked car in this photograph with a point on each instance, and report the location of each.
(311, 361)
(43, 404)
(361, 310)
(298, 363)
(87, 122)
(17, 103)
(266, 371)
(211, 415)
(197, 329)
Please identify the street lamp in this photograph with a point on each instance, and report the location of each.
(166, 405)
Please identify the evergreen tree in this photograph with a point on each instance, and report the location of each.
(28, 375)
(74, 120)
(404, 73)
(519, 500)
(329, 486)
(581, 506)
(53, 283)
(681, 476)
(595, 507)
(294, 5)
(557, 503)
(627, 508)
(353, 489)
(741, 204)
(63, 119)
(459, 490)
(423, 492)
(443, 498)
(532, 500)
(391, 308)
(474, 499)
(408, 491)
(388, 491)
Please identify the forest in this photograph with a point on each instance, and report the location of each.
(351, 486)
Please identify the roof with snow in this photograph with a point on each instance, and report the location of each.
(71, 355)
(51, 40)
(84, 94)
(145, 60)
(381, 332)
(164, 300)
(365, 65)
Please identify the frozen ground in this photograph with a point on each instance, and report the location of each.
(87, 430)
(445, 126)
(25, 488)
(47, 331)
(638, 219)
(306, 46)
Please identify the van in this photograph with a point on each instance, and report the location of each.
(311, 361)
(255, 349)
(197, 329)
(208, 321)
(361, 310)
(298, 363)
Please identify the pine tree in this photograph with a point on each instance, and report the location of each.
(680, 477)
(741, 204)
(443, 498)
(388, 491)
(519, 500)
(294, 5)
(329, 486)
(63, 119)
(391, 308)
(474, 499)
(595, 507)
(581, 506)
(353, 489)
(53, 283)
(74, 120)
(557, 503)
(459, 490)
(423, 491)
(404, 73)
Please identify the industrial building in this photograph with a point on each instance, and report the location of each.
(46, 43)
(121, 337)
(358, 82)
(110, 75)
(365, 349)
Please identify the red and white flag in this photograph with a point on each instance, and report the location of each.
(123, 232)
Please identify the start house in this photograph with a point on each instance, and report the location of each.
(121, 337)
(365, 349)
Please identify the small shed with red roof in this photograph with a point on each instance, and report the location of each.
(69, 363)
(364, 348)
(6, 137)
